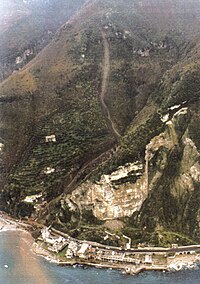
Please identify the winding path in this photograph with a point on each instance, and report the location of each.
(105, 79)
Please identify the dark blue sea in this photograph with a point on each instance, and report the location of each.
(18, 265)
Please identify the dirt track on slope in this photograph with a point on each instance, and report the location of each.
(104, 86)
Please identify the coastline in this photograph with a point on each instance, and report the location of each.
(173, 264)
(121, 267)
(22, 255)
(7, 223)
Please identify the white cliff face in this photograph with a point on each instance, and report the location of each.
(111, 200)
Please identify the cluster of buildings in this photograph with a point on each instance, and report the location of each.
(20, 59)
(131, 260)
(86, 250)
(114, 256)
(78, 250)
(90, 252)
(55, 243)
(145, 52)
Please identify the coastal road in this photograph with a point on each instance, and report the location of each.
(165, 250)
(133, 250)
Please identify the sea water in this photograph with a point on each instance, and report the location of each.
(18, 265)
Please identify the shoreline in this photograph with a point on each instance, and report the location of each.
(77, 263)
(8, 223)
(183, 262)
(24, 259)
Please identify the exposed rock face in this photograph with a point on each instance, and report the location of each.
(189, 168)
(173, 177)
(104, 123)
(109, 201)
(157, 151)
(26, 27)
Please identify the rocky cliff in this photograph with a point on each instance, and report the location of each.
(103, 125)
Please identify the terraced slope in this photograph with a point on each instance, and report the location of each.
(103, 124)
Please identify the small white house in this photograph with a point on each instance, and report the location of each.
(49, 170)
(148, 259)
(81, 252)
(32, 198)
(128, 244)
(18, 60)
(1, 146)
(50, 138)
(45, 233)
(72, 249)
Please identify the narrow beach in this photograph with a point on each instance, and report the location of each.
(25, 260)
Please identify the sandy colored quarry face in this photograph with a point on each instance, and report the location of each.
(111, 202)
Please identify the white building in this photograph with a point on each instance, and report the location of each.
(148, 259)
(72, 249)
(49, 170)
(45, 233)
(83, 249)
(32, 198)
(18, 60)
(50, 138)
(128, 244)
(1, 146)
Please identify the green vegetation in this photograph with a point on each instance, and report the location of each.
(58, 93)
(32, 28)
(62, 253)
(194, 128)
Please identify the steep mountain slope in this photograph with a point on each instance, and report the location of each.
(27, 26)
(103, 124)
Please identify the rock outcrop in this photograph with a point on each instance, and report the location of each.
(103, 124)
